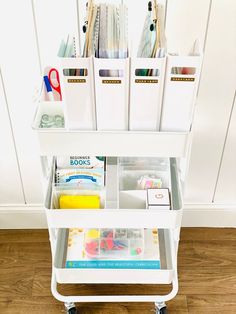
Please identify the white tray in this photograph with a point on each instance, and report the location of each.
(109, 276)
(110, 143)
(118, 218)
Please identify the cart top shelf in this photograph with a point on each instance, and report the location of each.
(113, 143)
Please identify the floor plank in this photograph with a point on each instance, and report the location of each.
(24, 305)
(214, 280)
(208, 234)
(28, 235)
(213, 304)
(16, 281)
(25, 254)
(195, 254)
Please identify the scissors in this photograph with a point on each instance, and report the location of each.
(52, 78)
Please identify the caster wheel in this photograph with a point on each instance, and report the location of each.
(163, 310)
(72, 311)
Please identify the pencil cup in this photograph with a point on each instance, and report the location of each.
(146, 88)
(50, 115)
(181, 82)
(78, 83)
(111, 89)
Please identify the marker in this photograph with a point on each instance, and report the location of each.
(48, 88)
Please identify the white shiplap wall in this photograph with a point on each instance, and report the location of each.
(51, 28)
(30, 31)
(214, 102)
(11, 189)
(20, 73)
(226, 187)
(186, 21)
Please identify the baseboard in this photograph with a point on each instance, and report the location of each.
(195, 215)
(23, 217)
(209, 215)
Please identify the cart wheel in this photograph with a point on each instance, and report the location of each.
(70, 308)
(163, 310)
(72, 311)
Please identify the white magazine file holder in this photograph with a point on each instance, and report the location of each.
(180, 92)
(79, 93)
(146, 94)
(112, 93)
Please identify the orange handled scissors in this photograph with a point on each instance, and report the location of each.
(54, 80)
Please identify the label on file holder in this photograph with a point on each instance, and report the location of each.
(181, 79)
(146, 81)
(76, 80)
(111, 81)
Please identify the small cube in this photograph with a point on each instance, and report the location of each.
(158, 199)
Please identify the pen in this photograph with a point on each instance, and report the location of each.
(48, 88)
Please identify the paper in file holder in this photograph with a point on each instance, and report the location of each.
(146, 88)
(77, 78)
(112, 90)
(181, 82)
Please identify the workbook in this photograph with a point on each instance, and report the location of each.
(123, 252)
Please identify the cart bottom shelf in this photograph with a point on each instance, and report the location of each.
(164, 275)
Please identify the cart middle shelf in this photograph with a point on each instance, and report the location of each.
(119, 211)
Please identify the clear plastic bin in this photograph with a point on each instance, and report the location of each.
(114, 243)
(133, 170)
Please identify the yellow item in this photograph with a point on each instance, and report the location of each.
(93, 234)
(79, 202)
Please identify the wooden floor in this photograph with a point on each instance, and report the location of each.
(207, 274)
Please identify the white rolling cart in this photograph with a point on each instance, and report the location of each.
(115, 143)
(143, 142)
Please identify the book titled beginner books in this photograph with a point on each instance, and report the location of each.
(77, 256)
